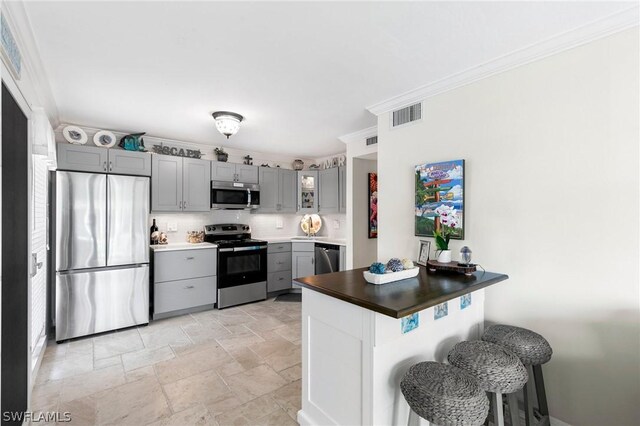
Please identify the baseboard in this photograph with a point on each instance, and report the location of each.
(557, 422)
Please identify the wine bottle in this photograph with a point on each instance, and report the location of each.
(154, 228)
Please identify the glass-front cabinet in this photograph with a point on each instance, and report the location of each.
(308, 191)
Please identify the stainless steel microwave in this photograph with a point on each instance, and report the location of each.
(234, 195)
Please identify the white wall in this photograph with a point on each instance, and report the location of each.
(365, 249)
(551, 152)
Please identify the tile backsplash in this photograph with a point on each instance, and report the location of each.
(262, 225)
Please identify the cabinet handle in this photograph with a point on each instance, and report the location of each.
(312, 260)
(279, 263)
(184, 204)
(189, 258)
(180, 205)
(104, 166)
(110, 166)
(280, 279)
(189, 287)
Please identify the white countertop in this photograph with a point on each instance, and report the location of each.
(182, 246)
(300, 239)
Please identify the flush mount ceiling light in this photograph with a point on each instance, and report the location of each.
(227, 122)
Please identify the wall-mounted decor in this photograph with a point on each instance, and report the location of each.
(298, 164)
(373, 205)
(221, 154)
(175, 151)
(439, 206)
(10, 50)
(74, 135)
(133, 142)
(337, 161)
(104, 139)
(248, 160)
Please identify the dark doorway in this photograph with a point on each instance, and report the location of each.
(15, 254)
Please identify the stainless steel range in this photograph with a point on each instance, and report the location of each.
(242, 264)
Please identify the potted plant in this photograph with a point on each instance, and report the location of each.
(448, 224)
(221, 154)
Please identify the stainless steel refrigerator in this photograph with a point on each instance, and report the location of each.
(102, 253)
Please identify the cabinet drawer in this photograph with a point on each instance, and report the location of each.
(278, 281)
(184, 264)
(278, 247)
(302, 246)
(183, 294)
(279, 262)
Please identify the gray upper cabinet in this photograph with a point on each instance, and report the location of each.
(196, 192)
(129, 162)
(329, 198)
(269, 190)
(82, 158)
(166, 183)
(246, 173)
(287, 199)
(223, 171)
(277, 190)
(180, 184)
(230, 172)
(307, 191)
(342, 188)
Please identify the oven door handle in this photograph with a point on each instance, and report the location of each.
(248, 197)
(252, 248)
(225, 250)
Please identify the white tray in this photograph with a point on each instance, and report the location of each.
(390, 277)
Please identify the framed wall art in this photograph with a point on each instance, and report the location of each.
(373, 205)
(439, 204)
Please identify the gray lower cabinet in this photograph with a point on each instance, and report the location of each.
(183, 281)
(302, 260)
(328, 191)
(82, 158)
(277, 190)
(342, 188)
(180, 184)
(222, 171)
(278, 266)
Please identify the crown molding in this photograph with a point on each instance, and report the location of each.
(359, 135)
(39, 94)
(592, 31)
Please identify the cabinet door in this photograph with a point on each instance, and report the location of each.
(307, 191)
(166, 183)
(287, 195)
(129, 162)
(268, 190)
(196, 185)
(328, 200)
(222, 171)
(82, 158)
(246, 173)
(342, 188)
(303, 264)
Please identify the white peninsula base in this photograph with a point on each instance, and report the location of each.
(353, 358)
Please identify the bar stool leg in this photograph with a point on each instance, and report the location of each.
(540, 392)
(529, 395)
(496, 405)
(514, 411)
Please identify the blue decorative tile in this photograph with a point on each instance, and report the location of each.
(440, 311)
(410, 323)
(465, 301)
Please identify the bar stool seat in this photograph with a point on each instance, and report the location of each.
(529, 346)
(444, 394)
(497, 370)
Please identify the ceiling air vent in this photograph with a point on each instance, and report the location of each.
(407, 114)
(372, 140)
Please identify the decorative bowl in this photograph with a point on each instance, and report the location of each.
(390, 277)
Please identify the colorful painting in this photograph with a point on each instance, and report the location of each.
(440, 311)
(440, 198)
(373, 205)
(410, 323)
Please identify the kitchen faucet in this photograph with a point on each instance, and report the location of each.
(309, 226)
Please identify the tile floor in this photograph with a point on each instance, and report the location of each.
(237, 366)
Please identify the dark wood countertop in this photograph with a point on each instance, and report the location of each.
(401, 298)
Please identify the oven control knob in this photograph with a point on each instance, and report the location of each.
(213, 228)
(246, 228)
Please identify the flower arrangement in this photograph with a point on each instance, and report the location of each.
(449, 222)
(221, 154)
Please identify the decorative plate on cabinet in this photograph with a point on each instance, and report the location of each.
(104, 138)
(316, 224)
(74, 135)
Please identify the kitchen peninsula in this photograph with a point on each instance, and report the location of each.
(358, 339)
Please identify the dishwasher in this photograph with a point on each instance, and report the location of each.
(327, 258)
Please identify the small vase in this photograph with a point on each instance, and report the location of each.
(223, 157)
(444, 256)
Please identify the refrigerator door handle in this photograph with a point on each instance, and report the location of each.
(103, 268)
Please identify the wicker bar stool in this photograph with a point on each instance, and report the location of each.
(497, 370)
(533, 350)
(444, 395)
